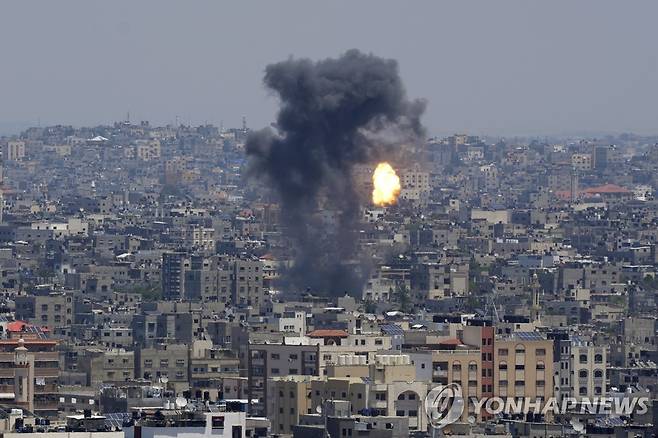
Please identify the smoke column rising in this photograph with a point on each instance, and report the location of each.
(334, 114)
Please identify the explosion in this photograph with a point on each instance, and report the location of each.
(334, 114)
(386, 185)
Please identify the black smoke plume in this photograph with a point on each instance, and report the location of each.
(333, 114)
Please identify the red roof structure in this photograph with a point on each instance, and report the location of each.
(326, 333)
(21, 326)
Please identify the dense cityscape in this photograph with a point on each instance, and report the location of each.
(338, 219)
(151, 286)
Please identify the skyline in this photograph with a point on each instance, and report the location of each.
(568, 75)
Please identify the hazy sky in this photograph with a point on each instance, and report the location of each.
(489, 67)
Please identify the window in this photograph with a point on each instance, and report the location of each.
(598, 358)
(502, 352)
(540, 352)
(598, 374)
(582, 374)
(583, 358)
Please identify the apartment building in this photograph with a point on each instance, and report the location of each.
(54, 310)
(438, 281)
(265, 361)
(211, 369)
(36, 363)
(523, 366)
(107, 366)
(386, 387)
(588, 369)
(164, 363)
(148, 150)
(13, 150)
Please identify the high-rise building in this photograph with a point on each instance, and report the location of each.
(173, 280)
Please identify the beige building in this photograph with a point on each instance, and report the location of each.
(461, 366)
(54, 311)
(199, 237)
(34, 365)
(366, 345)
(266, 361)
(211, 369)
(166, 363)
(588, 365)
(289, 398)
(386, 386)
(148, 150)
(13, 150)
(581, 161)
(436, 281)
(415, 184)
(523, 366)
(107, 366)
(489, 176)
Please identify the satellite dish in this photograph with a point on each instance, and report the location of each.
(181, 402)
(318, 409)
(164, 379)
(577, 425)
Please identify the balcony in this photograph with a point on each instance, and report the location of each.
(440, 373)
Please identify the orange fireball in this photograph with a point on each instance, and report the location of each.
(386, 185)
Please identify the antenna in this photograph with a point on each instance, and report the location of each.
(244, 123)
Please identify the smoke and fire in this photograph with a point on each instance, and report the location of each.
(334, 114)
(386, 185)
